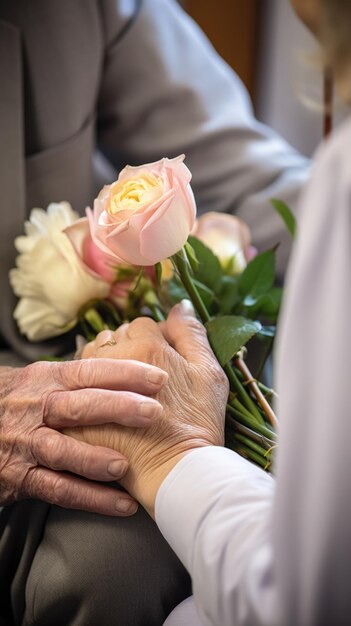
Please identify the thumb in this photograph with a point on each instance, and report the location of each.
(186, 334)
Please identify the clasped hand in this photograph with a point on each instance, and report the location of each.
(193, 399)
(37, 401)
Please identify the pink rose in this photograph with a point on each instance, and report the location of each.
(228, 237)
(146, 215)
(98, 263)
(120, 276)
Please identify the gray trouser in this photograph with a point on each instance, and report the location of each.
(69, 568)
(63, 568)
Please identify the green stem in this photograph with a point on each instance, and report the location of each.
(262, 441)
(181, 262)
(249, 454)
(157, 313)
(267, 391)
(254, 446)
(251, 423)
(93, 317)
(242, 393)
(240, 407)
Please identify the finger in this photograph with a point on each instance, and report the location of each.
(105, 337)
(74, 493)
(144, 328)
(186, 334)
(100, 406)
(63, 453)
(87, 352)
(116, 374)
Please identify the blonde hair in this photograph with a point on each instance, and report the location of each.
(336, 39)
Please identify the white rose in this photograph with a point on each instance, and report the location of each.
(51, 281)
(227, 236)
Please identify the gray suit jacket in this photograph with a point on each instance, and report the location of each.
(51, 63)
(139, 80)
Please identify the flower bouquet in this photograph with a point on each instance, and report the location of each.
(140, 251)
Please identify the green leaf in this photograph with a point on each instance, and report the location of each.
(286, 214)
(228, 295)
(228, 334)
(209, 271)
(267, 304)
(258, 276)
(177, 292)
(190, 253)
(207, 295)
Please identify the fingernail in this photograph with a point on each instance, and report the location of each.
(157, 377)
(117, 468)
(187, 307)
(150, 409)
(125, 506)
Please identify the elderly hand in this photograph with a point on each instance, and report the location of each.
(37, 400)
(194, 399)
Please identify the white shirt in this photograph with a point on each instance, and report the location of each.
(271, 553)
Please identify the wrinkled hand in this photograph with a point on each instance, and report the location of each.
(37, 399)
(193, 400)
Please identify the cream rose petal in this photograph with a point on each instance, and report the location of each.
(38, 320)
(50, 277)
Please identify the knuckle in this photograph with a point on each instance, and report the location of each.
(36, 369)
(29, 488)
(34, 484)
(70, 407)
(86, 373)
(141, 325)
(70, 373)
(49, 405)
(48, 448)
(124, 403)
(33, 375)
(61, 493)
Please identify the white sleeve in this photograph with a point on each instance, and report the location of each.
(214, 509)
(284, 559)
(166, 91)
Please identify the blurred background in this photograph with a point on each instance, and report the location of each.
(273, 54)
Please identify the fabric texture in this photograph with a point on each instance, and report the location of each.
(260, 555)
